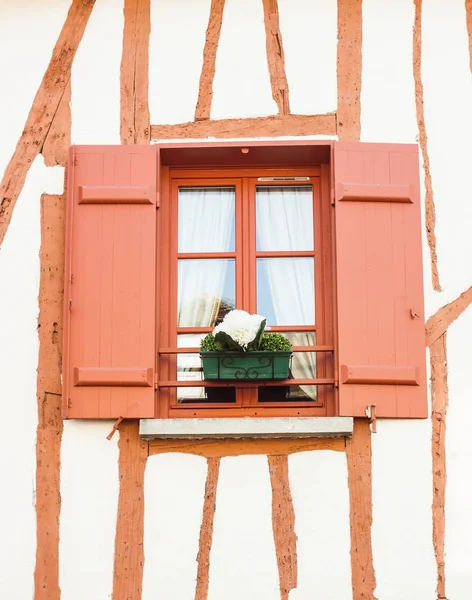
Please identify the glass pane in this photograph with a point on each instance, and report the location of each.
(206, 291)
(189, 368)
(303, 367)
(286, 290)
(284, 218)
(204, 211)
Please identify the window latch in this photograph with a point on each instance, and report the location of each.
(371, 412)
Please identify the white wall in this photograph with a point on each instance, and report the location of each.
(19, 289)
(28, 33)
(89, 502)
(243, 561)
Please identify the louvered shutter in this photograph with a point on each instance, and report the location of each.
(110, 296)
(381, 355)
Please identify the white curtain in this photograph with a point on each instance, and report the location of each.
(206, 223)
(285, 222)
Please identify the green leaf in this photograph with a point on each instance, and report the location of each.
(226, 342)
(256, 342)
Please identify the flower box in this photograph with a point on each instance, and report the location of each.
(256, 365)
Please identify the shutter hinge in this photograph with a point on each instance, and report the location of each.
(157, 200)
(75, 161)
(332, 196)
(156, 385)
(69, 403)
(371, 412)
(70, 304)
(72, 278)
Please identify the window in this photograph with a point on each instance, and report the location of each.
(322, 237)
(254, 240)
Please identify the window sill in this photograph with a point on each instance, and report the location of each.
(269, 427)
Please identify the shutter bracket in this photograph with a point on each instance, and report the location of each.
(371, 412)
(115, 427)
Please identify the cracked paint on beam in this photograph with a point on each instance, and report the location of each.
(283, 523)
(205, 93)
(134, 77)
(206, 531)
(349, 69)
(275, 56)
(439, 398)
(359, 462)
(129, 549)
(49, 396)
(281, 125)
(58, 141)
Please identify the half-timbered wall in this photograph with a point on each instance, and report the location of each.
(383, 515)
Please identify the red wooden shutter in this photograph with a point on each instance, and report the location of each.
(110, 296)
(381, 354)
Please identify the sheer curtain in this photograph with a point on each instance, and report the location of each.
(285, 222)
(206, 224)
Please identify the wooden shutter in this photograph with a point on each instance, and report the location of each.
(110, 296)
(381, 356)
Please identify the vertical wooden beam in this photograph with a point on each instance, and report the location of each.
(439, 398)
(129, 550)
(359, 463)
(50, 424)
(359, 448)
(44, 109)
(135, 125)
(275, 56)
(283, 523)
(205, 92)
(349, 69)
(423, 139)
(206, 530)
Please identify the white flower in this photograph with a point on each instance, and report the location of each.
(240, 326)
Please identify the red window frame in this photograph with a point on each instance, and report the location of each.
(244, 181)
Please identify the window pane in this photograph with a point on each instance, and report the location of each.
(206, 291)
(286, 290)
(189, 368)
(206, 219)
(284, 218)
(303, 367)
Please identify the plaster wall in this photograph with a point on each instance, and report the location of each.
(243, 557)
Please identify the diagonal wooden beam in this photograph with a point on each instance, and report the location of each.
(134, 77)
(275, 56)
(44, 109)
(423, 140)
(205, 93)
(437, 325)
(254, 127)
(283, 524)
(206, 530)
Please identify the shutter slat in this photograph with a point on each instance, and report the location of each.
(110, 357)
(381, 355)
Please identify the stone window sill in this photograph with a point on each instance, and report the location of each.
(234, 428)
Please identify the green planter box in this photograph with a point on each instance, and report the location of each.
(246, 365)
